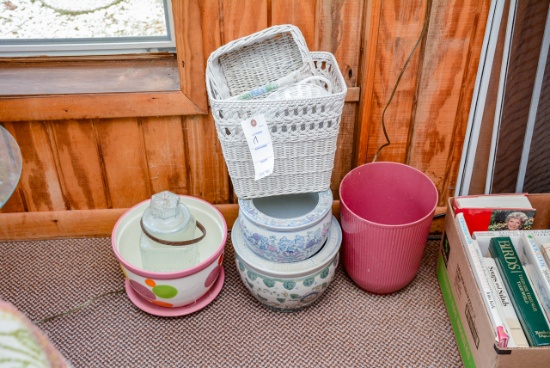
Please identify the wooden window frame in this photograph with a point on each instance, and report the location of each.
(190, 99)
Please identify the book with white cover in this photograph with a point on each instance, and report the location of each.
(542, 237)
(504, 305)
(481, 277)
(537, 270)
(493, 201)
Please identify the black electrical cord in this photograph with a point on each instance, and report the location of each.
(424, 28)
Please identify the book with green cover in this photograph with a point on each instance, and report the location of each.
(528, 309)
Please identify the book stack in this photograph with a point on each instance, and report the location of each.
(475, 257)
(504, 305)
(528, 308)
(510, 265)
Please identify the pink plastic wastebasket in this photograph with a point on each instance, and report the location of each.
(386, 212)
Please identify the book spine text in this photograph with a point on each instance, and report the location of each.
(523, 297)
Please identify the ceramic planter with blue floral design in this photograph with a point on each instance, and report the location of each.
(287, 287)
(286, 228)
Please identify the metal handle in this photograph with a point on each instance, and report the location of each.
(175, 243)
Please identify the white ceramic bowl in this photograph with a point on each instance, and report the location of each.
(179, 288)
(286, 228)
(287, 287)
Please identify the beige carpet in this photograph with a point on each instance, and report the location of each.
(346, 328)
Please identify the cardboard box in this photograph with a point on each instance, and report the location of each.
(469, 318)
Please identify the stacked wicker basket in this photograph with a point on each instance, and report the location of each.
(299, 93)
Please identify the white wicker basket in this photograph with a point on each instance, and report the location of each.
(303, 129)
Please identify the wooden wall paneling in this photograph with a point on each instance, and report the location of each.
(79, 164)
(88, 106)
(133, 167)
(400, 26)
(40, 183)
(15, 202)
(93, 75)
(242, 18)
(46, 225)
(203, 173)
(367, 73)
(166, 157)
(339, 32)
(301, 13)
(211, 27)
(444, 59)
(123, 156)
(188, 25)
(525, 51)
(477, 34)
(208, 176)
(343, 159)
(206, 169)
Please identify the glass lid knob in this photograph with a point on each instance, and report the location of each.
(164, 205)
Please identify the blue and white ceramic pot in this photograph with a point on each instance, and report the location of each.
(287, 287)
(286, 228)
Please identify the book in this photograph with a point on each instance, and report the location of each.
(529, 311)
(542, 238)
(475, 258)
(495, 212)
(537, 270)
(504, 305)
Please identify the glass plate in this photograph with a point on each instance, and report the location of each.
(10, 165)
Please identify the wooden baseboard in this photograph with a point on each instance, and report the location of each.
(99, 223)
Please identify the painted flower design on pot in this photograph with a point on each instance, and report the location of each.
(283, 294)
(285, 248)
(259, 241)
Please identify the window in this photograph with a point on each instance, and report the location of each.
(61, 87)
(84, 27)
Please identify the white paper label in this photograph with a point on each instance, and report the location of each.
(259, 142)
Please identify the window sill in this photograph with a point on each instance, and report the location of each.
(97, 87)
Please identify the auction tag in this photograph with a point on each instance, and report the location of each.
(259, 142)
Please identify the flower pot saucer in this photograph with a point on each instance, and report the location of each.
(156, 310)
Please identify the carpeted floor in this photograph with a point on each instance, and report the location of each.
(346, 328)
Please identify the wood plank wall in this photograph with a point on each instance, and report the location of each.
(97, 167)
